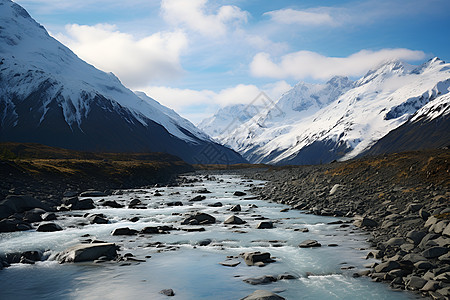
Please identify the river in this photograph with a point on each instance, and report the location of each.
(177, 260)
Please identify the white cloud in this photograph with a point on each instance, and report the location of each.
(301, 17)
(135, 61)
(179, 99)
(199, 104)
(241, 93)
(307, 64)
(194, 15)
(277, 89)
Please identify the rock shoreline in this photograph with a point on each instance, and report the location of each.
(402, 200)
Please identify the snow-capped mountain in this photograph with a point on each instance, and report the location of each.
(429, 128)
(340, 120)
(50, 96)
(228, 118)
(275, 119)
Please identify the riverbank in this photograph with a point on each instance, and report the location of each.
(401, 199)
(38, 176)
(206, 237)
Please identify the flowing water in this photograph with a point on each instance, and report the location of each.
(179, 263)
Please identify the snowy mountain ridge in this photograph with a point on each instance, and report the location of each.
(70, 78)
(48, 95)
(342, 119)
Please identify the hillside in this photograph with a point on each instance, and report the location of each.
(47, 171)
(48, 95)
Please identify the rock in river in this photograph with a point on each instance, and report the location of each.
(197, 198)
(167, 292)
(263, 295)
(239, 193)
(260, 280)
(93, 194)
(253, 258)
(309, 244)
(112, 203)
(19, 203)
(124, 231)
(199, 218)
(234, 220)
(49, 227)
(88, 252)
(265, 225)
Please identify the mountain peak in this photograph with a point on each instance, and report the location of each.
(16, 22)
(50, 96)
(386, 69)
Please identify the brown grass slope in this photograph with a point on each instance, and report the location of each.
(35, 167)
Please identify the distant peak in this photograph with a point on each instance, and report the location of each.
(436, 59)
(339, 81)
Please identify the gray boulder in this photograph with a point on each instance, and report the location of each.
(19, 203)
(395, 241)
(446, 230)
(415, 283)
(97, 219)
(199, 218)
(74, 203)
(260, 280)
(309, 244)
(49, 227)
(286, 277)
(430, 286)
(253, 258)
(236, 207)
(434, 252)
(88, 252)
(135, 202)
(198, 198)
(415, 236)
(112, 203)
(423, 265)
(239, 194)
(93, 194)
(84, 204)
(167, 292)
(204, 242)
(124, 231)
(263, 295)
(11, 225)
(48, 216)
(234, 220)
(264, 225)
(387, 266)
(364, 222)
(33, 215)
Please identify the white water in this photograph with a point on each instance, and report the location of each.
(194, 272)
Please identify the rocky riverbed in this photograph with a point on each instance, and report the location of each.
(403, 200)
(297, 226)
(201, 238)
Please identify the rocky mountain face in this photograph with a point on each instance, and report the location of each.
(428, 128)
(50, 96)
(341, 119)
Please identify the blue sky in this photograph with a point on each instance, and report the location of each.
(198, 55)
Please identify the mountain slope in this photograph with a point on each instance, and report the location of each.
(429, 128)
(276, 119)
(50, 96)
(228, 118)
(346, 123)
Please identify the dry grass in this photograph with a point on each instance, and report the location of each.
(431, 166)
(61, 165)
